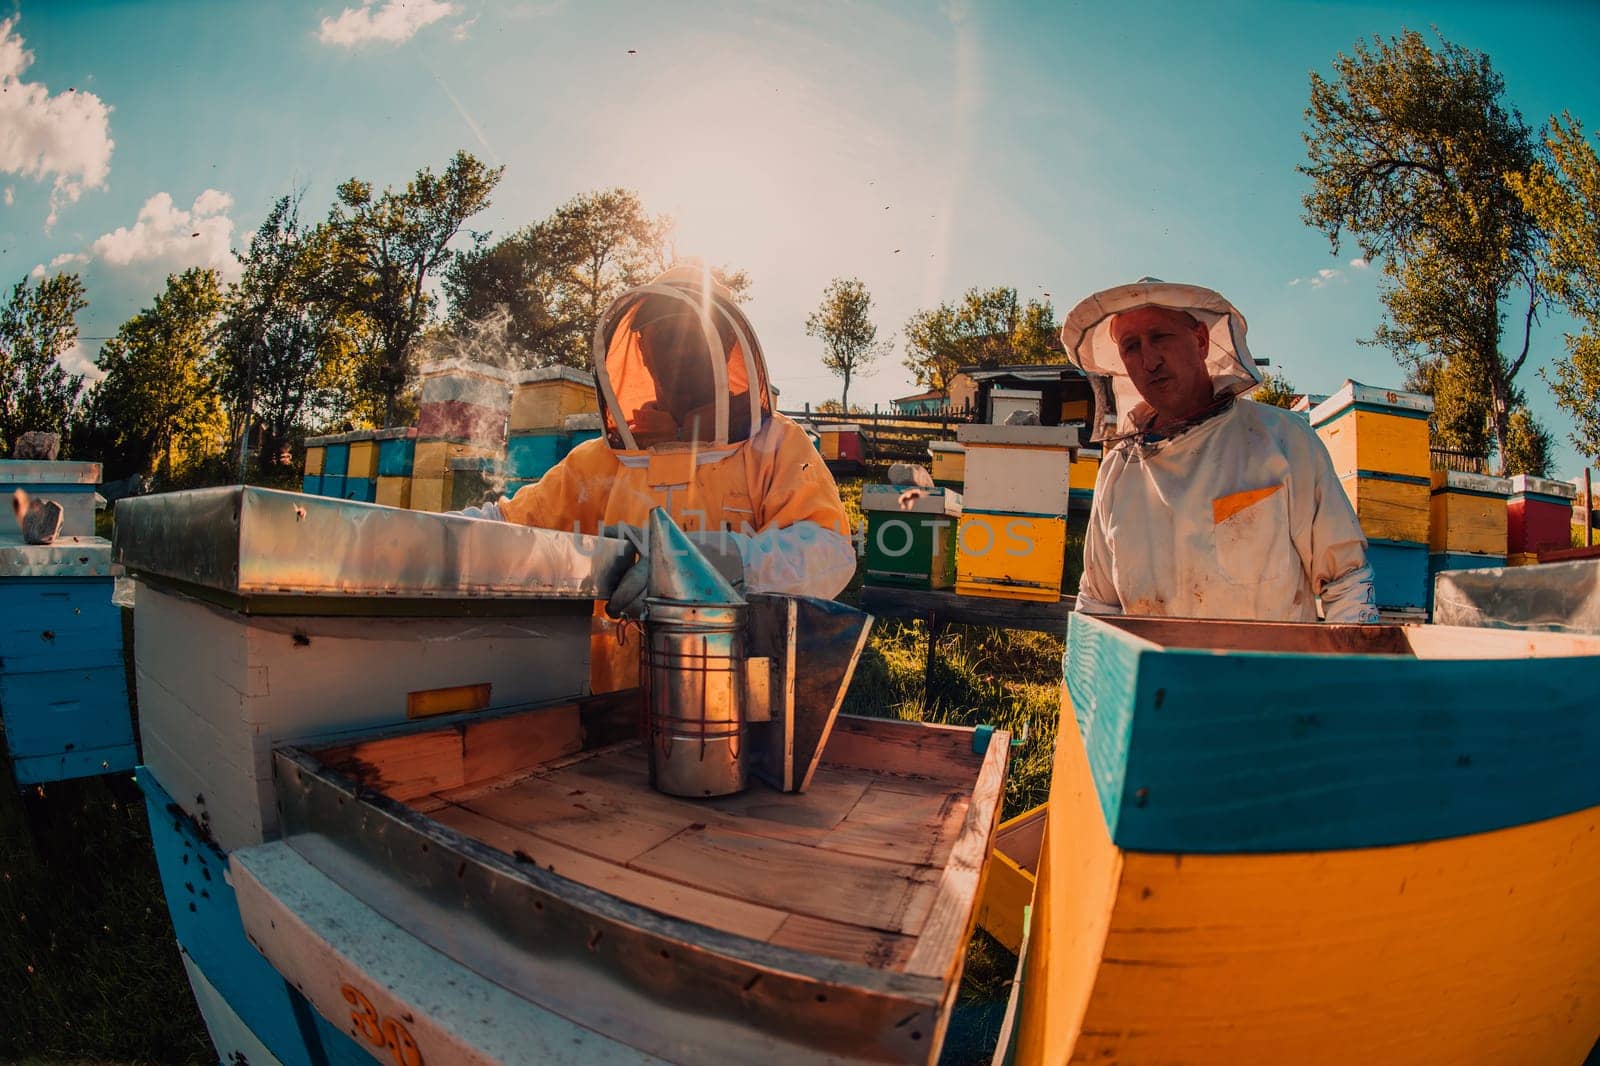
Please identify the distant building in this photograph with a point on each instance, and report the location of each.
(923, 403)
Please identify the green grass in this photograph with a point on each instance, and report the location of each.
(89, 970)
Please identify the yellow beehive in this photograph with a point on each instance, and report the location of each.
(1468, 513)
(543, 398)
(1085, 468)
(948, 463)
(1010, 556)
(314, 461)
(430, 494)
(363, 459)
(1075, 410)
(1376, 431)
(1523, 559)
(1389, 508)
(394, 491)
(433, 456)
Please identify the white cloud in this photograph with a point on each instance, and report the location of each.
(75, 360)
(463, 30)
(1325, 276)
(67, 258)
(11, 195)
(166, 234)
(37, 272)
(393, 22)
(1358, 263)
(65, 137)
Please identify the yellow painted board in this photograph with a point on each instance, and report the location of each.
(433, 457)
(1074, 410)
(430, 494)
(1085, 468)
(394, 491)
(1523, 559)
(1389, 510)
(1079, 872)
(314, 461)
(1462, 523)
(1476, 949)
(1377, 442)
(545, 404)
(363, 459)
(1020, 554)
(1008, 884)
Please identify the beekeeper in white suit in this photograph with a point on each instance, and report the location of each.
(1208, 505)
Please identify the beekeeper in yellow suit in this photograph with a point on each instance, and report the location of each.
(690, 426)
(1207, 505)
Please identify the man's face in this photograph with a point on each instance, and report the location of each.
(1165, 353)
(674, 350)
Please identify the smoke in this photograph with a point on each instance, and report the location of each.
(471, 409)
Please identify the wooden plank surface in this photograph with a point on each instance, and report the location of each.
(886, 746)
(894, 897)
(938, 952)
(838, 940)
(676, 898)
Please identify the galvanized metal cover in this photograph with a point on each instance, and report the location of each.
(67, 557)
(245, 541)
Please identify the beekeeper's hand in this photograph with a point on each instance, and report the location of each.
(722, 550)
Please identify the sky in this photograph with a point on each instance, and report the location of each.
(926, 148)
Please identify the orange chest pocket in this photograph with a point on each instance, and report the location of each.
(703, 495)
(1252, 537)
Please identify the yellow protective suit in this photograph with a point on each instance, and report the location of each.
(1239, 515)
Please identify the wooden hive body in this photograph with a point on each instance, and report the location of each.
(1251, 858)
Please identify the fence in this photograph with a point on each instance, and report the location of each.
(892, 438)
(1464, 462)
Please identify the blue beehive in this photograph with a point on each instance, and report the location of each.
(397, 449)
(63, 696)
(530, 455)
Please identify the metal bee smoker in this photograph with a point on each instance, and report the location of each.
(737, 685)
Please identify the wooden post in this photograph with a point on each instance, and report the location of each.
(1588, 509)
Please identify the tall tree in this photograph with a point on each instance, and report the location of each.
(553, 279)
(1408, 150)
(391, 244)
(843, 322)
(985, 327)
(1564, 196)
(38, 323)
(284, 340)
(158, 401)
(1277, 390)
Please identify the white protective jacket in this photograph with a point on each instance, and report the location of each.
(1240, 516)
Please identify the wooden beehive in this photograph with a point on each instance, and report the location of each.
(911, 537)
(1390, 507)
(542, 398)
(1375, 431)
(1467, 514)
(948, 463)
(1298, 843)
(1539, 515)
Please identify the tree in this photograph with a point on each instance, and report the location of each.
(553, 279)
(1527, 449)
(985, 327)
(843, 322)
(1277, 390)
(38, 323)
(158, 401)
(389, 246)
(1409, 152)
(1564, 197)
(284, 342)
